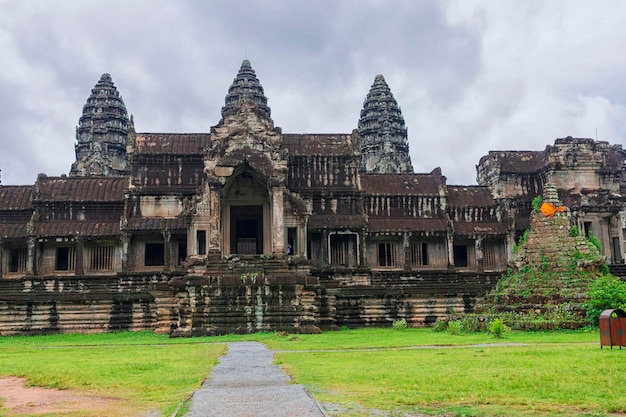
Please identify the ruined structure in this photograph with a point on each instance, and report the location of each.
(247, 228)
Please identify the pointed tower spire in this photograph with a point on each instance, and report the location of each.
(101, 133)
(246, 86)
(384, 143)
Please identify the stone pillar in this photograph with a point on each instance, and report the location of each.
(167, 249)
(30, 259)
(450, 242)
(125, 239)
(79, 267)
(215, 219)
(278, 223)
(407, 251)
(478, 248)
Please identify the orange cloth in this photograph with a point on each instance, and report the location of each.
(548, 209)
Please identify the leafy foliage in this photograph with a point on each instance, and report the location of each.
(606, 292)
(399, 325)
(498, 329)
(537, 202)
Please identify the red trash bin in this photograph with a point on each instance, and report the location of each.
(613, 328)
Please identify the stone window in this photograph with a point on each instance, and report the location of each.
(17, 259)
(490, 259)
(292, 238)
(101, 258)
(419, 253)
(387, 254)
(154, 255)
(65, 258)
(343, 249)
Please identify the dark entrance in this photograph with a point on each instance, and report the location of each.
(246, 230)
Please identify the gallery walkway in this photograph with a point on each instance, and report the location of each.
(246, 383)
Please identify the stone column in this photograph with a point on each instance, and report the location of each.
(215, 219)
(478, 248)
(407, 251)
(167, 249)
(30, 259)
(79, 267)
(450, 242)
(125, 239)
(278, 223)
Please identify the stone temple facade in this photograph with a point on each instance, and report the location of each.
(246, 228)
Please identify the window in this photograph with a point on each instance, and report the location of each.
(387, 254)
(66, 258)
(17, 259)
(155, 254)
(343, 249)
(201, 241)
(101, 258)
(490, 259)
(419, 253)
(460, 255)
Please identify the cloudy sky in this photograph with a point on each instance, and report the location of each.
(469, 76)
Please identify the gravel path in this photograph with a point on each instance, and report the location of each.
(246, 384)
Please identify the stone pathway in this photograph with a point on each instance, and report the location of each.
(246, 384)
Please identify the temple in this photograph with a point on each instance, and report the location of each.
(246, 228)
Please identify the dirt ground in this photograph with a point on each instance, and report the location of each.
(17, 398)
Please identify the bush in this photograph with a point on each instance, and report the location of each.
(606, 292)
(440, 326)
(455, 327)
(399, 324)
(536, 203)
(498, 329)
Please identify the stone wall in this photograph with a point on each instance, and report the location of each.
(191, 305)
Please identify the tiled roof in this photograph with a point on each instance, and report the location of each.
(319, 144)
(12, 230)
(13, 197)
(469, 196)
(407, 223)
(77, 228)
(172, 143)
(94, 189)
(156, 223)
(400, 184)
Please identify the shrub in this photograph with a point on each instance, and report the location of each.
(472, 323)
(521, 241)
(455, 327)
(606, 292)
(399, 324)
(498, 329)
(537, 202)
(440, 326)
(573, 231)
(595, 241)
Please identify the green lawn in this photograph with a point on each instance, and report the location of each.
(377, 372)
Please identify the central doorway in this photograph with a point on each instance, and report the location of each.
(246, 230)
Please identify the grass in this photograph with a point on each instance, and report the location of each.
(360, 372)
(147, 372)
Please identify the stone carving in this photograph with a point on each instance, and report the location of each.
(102, 133)
(384, 142)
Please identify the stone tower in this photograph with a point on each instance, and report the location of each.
(246, 86)
(384, 143)
(102, 133)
